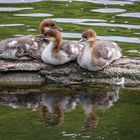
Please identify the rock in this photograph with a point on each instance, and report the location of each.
(34, 72)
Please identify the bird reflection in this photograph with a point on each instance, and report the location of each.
(101, 100)
(53, 106)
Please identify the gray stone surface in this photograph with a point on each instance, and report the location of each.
(34, 72)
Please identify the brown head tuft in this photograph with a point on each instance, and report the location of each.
(47, 23)
(89, 33)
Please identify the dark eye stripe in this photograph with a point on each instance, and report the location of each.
(85, 36)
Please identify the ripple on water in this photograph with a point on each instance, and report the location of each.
(18, 1)
(32, 30)
(9, 9)
(136, 33)
(111, 25)
(72, 20)
(136, 15)
(108, 10)
(112, 2)
(18, 35)
(34, 15)
(112, 38)
(10, 25)
(134, 51)
(105, 2)
(121, 39)
(71, 35)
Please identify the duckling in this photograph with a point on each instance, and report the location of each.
(26, 47)
(54, 53)
(97, 54)
(66, 45)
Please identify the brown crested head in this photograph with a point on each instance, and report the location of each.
(54, 35)
(47, 24)
(88, 35)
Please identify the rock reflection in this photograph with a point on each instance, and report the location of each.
(53, 106)
(20, 101)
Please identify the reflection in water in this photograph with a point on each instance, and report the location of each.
(32, 30)
(108, 10)
(135, 52)
(112, 38)
(119, 122)
(20, 101)
(105, 2)
(112, 2)
(137, 15)
(9, 25)
(53, 106)
(9, 9)
(121, 39)
(111, 25)
(18, 1)
(101, 100)
(75, 20)
(34, 15)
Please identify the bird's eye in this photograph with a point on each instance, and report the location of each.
(86, 37)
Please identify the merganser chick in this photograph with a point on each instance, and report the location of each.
(53, 53)
(97, 54)
(26, 47)
(21, 48)
(66, 45)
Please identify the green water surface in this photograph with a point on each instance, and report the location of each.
(121, 121)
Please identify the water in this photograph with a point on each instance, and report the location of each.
(43, 112)
(69, 113)
(135, 15)
(109, 10)
(34, 15)
(3, 9)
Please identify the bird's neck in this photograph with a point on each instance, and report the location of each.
(51, 45)
(91, 44)
(57, 45)
(54, 46)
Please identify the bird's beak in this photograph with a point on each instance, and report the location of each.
(57, 27)
(83, 40)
